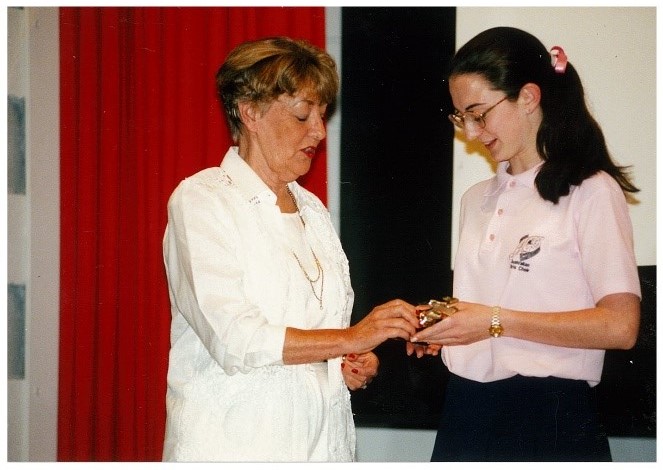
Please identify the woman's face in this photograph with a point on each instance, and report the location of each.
(286, 136)
(510, 131)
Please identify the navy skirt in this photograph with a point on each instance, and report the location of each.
(520, 419)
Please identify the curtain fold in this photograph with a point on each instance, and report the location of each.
(138, 114)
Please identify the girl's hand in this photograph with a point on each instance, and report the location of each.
(421, 349)
(467, 325)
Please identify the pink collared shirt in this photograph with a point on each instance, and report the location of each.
(523, 253)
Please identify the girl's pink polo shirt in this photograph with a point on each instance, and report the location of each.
(523, 253)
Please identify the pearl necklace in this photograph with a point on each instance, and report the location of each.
(321, 273)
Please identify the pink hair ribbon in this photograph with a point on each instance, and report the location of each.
(558, 59)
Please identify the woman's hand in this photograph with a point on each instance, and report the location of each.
(359, 369)
(394, 319)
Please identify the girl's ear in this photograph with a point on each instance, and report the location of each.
(248, 114)
(530, 96)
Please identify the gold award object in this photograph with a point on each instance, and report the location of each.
(439, 310)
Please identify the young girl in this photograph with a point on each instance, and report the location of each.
(545, 270)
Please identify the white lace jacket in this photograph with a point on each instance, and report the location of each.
(233, 290)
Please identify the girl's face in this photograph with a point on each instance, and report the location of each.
(286, 137)
(510, 126)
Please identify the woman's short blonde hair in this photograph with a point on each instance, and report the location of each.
(260, 71)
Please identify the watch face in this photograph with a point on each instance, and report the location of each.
(496, 330)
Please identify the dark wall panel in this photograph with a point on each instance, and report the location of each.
(627, 392)
(396, 173)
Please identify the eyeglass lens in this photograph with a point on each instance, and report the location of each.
(461, 121)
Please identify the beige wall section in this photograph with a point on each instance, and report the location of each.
(333, 30)
(43, 173)
(614, 51)
(17, 236)
(32, 402)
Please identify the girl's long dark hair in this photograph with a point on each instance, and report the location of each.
(569, 140)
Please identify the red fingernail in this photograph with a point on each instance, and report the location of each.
(352, 356)
(342, 365)
(355, 371)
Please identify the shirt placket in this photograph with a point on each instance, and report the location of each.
(494, 228)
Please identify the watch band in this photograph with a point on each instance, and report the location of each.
(496, 328)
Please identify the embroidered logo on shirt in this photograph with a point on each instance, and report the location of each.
(528, 247)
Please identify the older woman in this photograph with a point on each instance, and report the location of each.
(262, 354)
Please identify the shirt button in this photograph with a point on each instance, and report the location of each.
(491, 237)
(500, 211)
(512, 183)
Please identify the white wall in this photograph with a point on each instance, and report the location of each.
(614, 51)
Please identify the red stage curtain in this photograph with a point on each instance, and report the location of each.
(138, 114)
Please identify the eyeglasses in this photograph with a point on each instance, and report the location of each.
(461, 120)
